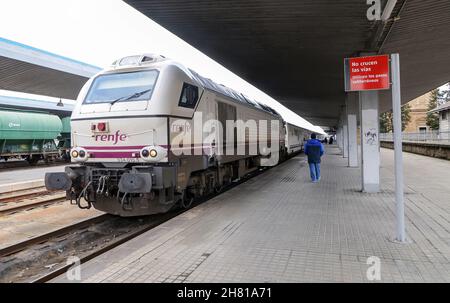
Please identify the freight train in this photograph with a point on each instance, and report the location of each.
(33, 136)
(63, 139)
(149, 134)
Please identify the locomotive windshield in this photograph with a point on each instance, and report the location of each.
(131, 86)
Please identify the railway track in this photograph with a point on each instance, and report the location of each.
(86, 240)
(125, 238)
(27, 199)
(10, 196)
(21, 246)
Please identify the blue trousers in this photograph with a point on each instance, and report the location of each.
(314, 170)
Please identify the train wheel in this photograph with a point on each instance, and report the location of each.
(218, 188)
(187, 200)
(32, 160)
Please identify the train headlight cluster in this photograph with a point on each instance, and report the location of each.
(78, 154)
(153, 153)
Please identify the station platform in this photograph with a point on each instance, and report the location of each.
(20, 174)
(280, 227)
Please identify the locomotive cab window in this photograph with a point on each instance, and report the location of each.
(121, 87)
(189, 96)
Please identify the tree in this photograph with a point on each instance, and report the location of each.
(386, 119)
(406, 115)
(433, 118)
(386, 122)
(444, 94)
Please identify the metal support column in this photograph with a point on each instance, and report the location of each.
(344, 133)
(370, 143)
(339, 137)
(352, 112)
(397, 123)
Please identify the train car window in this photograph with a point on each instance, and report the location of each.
(189, 96)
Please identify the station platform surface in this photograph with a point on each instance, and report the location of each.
(13, 175)
(280, 227)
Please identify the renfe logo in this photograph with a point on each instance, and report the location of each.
(111, 138)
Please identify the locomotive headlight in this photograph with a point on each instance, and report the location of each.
(145, 153)
(153, 153)
(79, 154)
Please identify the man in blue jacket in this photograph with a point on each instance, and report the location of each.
(314, 150)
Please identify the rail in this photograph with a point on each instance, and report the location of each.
(26, 201)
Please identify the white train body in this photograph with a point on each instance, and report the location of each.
(124, 126)
(132, 125)
(295, 138)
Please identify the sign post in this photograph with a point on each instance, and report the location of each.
(397, 123)
(372, 73)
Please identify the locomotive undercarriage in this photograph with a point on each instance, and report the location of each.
(144, 189)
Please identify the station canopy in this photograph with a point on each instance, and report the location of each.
(61, 108)
(294, 49)
(30, 70)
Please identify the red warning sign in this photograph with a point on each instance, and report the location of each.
(366, 73)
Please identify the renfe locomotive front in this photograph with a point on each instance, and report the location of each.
(148, 134)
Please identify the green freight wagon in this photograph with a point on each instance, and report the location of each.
(64, 139)
(29, 135)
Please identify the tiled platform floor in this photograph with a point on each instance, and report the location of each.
(279, 227)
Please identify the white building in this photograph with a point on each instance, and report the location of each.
(444, 119)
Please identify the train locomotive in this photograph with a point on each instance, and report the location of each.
(135, 143)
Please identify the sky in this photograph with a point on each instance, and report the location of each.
(99, 32)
